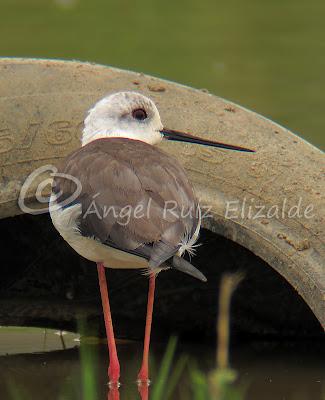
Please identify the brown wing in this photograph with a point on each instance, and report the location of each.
(134, 196)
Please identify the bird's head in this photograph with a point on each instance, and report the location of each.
(134, 116)
(124, 114)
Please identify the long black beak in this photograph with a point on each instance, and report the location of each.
(177, 136)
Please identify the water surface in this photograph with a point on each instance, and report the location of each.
(269, 371)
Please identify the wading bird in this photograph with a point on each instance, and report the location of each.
(122, 216)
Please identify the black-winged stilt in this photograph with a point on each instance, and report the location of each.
(136, 207)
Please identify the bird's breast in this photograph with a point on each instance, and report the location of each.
(65, 221)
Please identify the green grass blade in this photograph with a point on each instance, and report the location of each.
(159, 387)
(176, 375)
(88, 361)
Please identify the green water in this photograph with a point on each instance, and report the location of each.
(49, 366)
(268, 55)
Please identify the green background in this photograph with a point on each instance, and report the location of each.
(267, 55)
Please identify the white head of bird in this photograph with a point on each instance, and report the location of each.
(132, 115)
(124, 114)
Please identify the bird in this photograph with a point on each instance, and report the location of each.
(122, 202)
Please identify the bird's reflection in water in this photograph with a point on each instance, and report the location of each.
(143, 391)
(113, 393)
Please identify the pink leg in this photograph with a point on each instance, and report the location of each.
(114, 365)
(143, 376)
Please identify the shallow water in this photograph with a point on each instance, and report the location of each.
(50, 367)
(268, 56)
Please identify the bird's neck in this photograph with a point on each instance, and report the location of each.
(150, 138)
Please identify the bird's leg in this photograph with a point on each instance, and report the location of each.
(143, 376)
(114, 365)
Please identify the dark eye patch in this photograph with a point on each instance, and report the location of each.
(139, 114)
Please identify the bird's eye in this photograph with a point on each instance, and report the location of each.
(139, 114)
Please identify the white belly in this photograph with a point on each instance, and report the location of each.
(64, 221)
